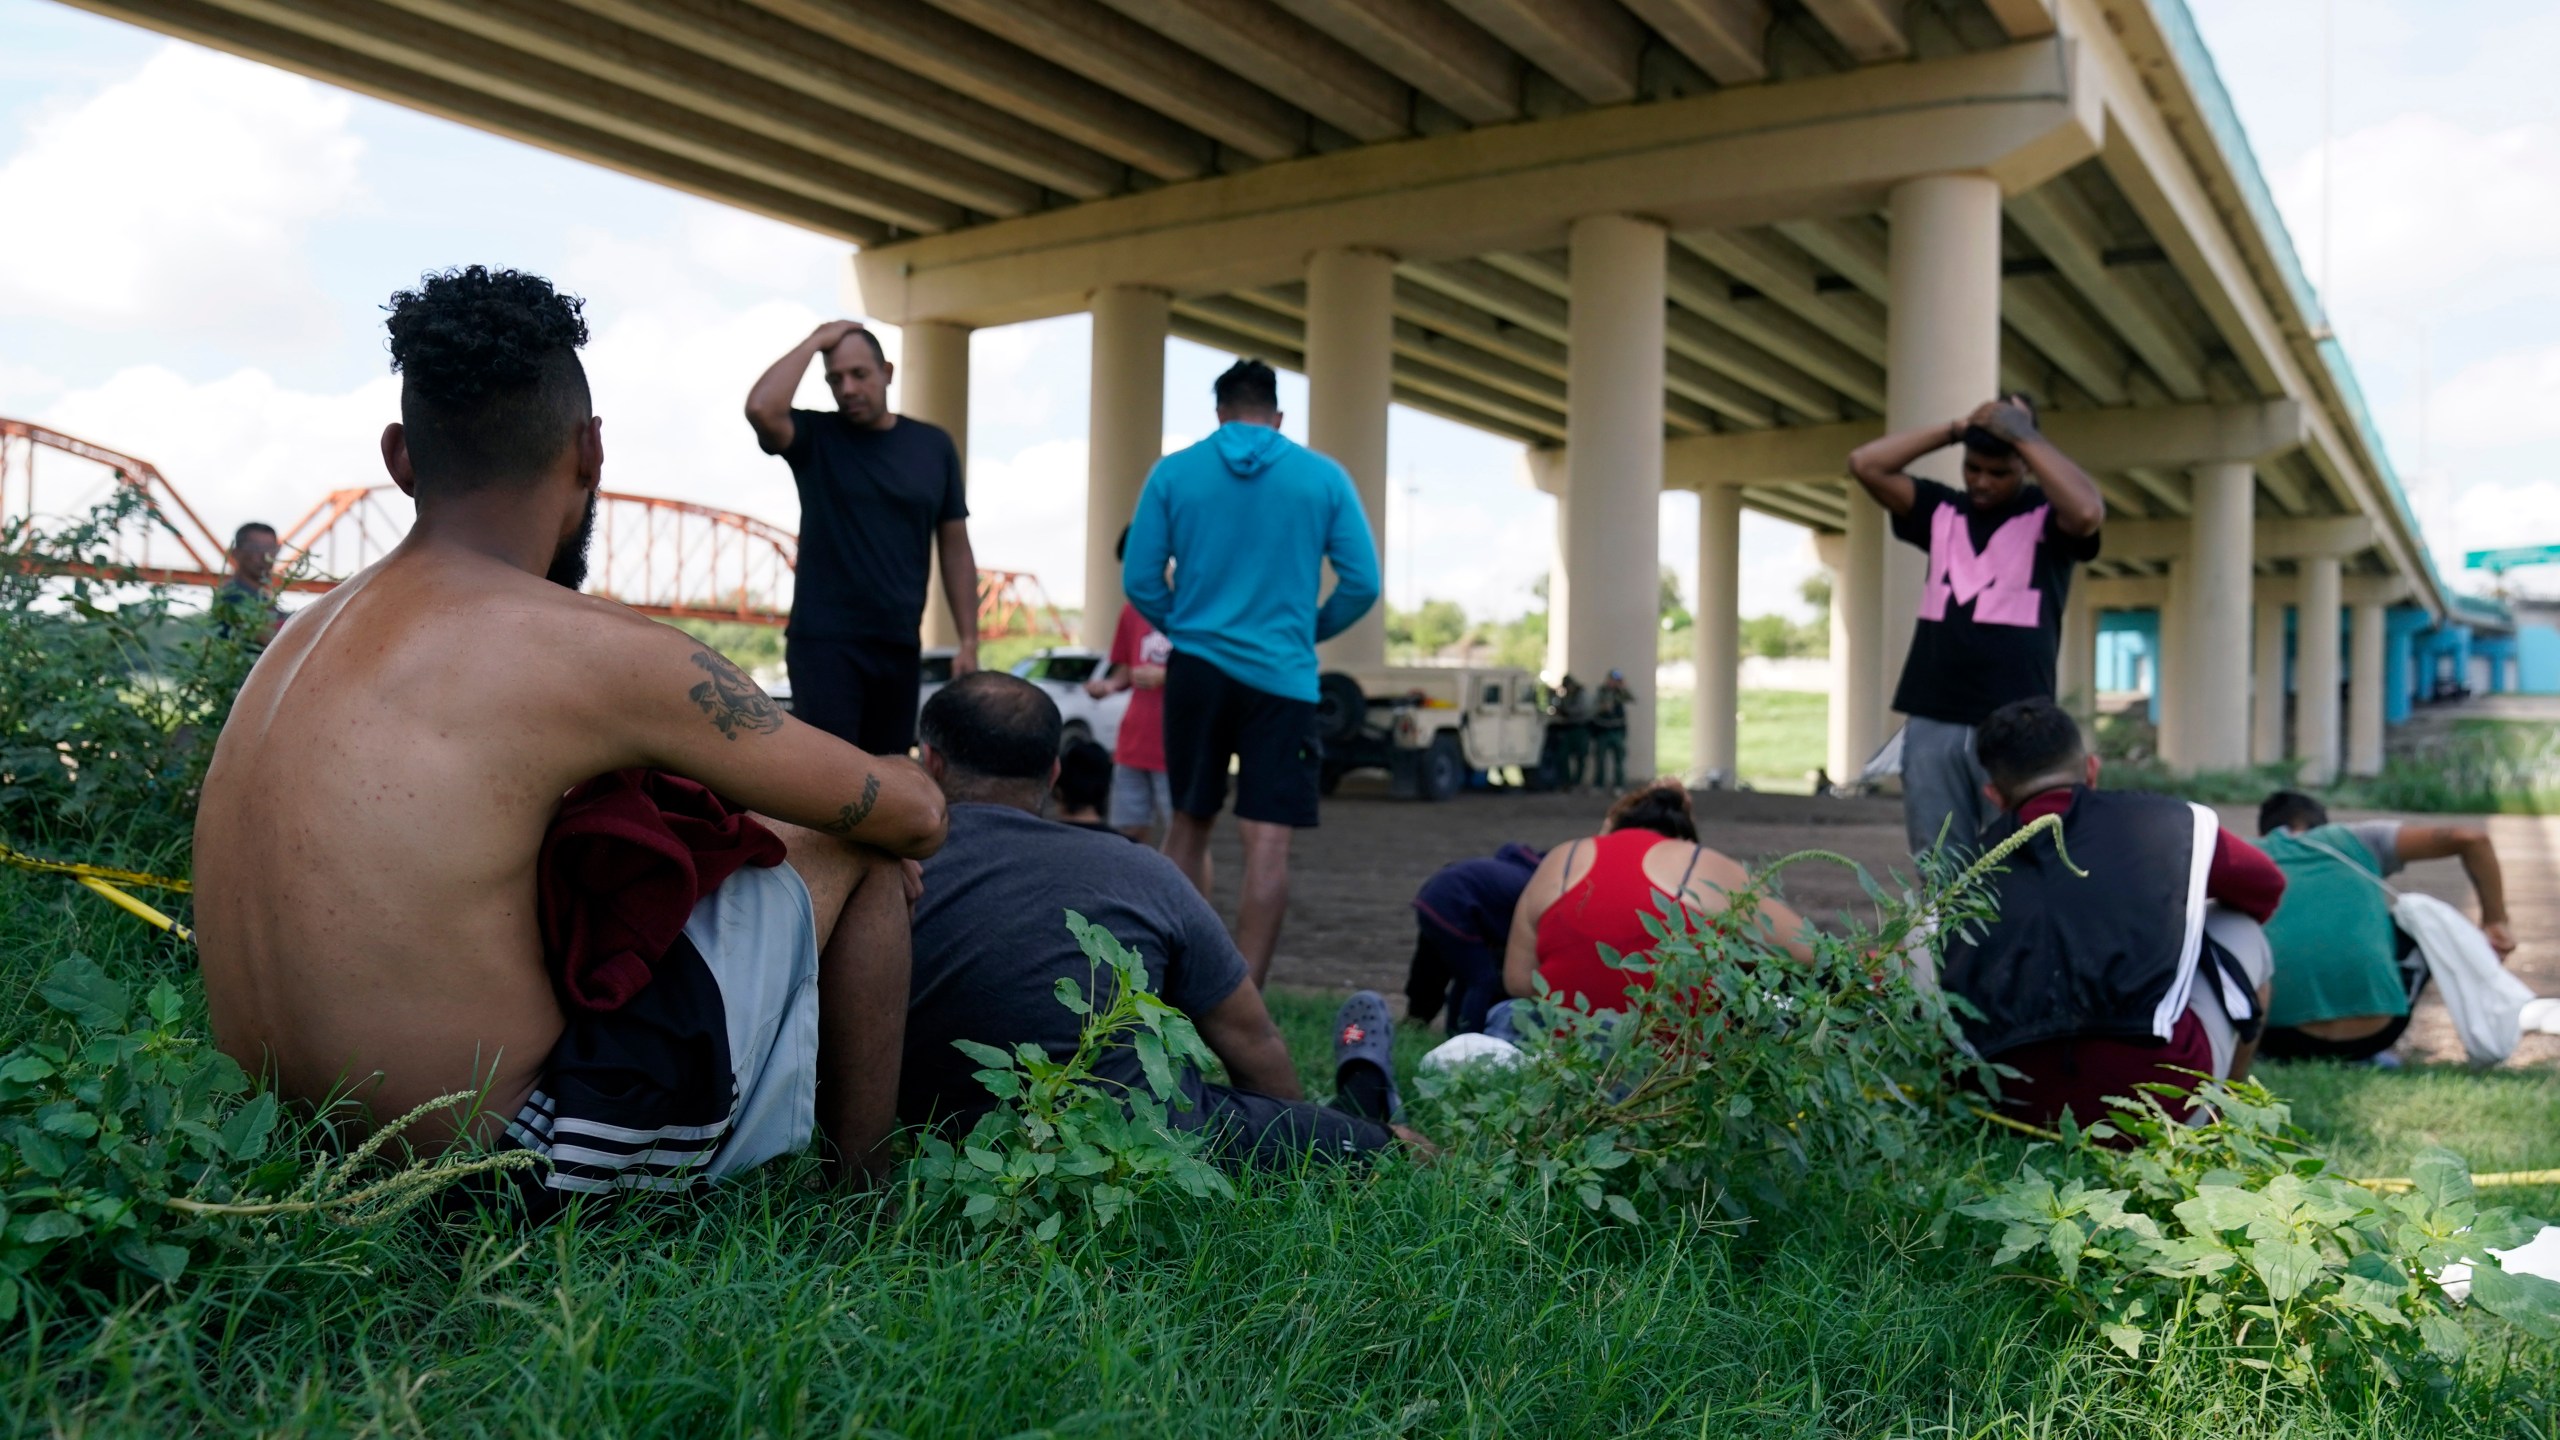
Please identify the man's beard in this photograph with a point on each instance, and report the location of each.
(569, 562)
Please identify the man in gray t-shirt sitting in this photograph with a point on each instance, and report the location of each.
(991, 942)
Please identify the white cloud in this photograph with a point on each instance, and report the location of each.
(236, 449)
(2506, 399)
(23, 387)
(1026, 512)
(2489, 516)
(179, 199)
(2432, 214)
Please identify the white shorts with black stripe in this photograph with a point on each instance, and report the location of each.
(712, 1069)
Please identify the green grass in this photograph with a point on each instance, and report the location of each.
(1782, 738)
(1331, 1305)
(2469, 767)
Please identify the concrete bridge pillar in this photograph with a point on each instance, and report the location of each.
(1718, 632)
(2212, 663)
(933, 386)
(2366, 689)
(1942, 358)
(1858, 681)
(2169, 688)
(1125, 438)
(2266, 715)
(1613, 461)
(2075, 675)
(1833, 550)
(2315, 726)
(1350, 380)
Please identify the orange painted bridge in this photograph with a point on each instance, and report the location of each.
(670, 558)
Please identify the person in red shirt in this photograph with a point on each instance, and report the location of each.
(1597, 891)
(1141, 793)
(2139, 960)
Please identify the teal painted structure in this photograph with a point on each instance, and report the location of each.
(2417, 654)
(2538, 660)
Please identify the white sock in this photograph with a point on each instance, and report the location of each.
(2542, 1014)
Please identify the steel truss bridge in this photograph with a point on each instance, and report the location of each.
(674, 559)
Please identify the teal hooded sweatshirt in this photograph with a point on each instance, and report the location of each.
(1247, 517)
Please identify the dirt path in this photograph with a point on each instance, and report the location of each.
(1352, 881)
(1351, 918)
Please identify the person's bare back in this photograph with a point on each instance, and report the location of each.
(368, 834)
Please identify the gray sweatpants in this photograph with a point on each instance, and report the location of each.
(1941, 785)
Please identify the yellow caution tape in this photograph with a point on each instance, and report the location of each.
(136, 908)
(113, 876)
(2388, 1184)
(108, 881)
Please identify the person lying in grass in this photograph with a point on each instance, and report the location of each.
(1598, 891)
(991, 944)
(2136, 960)
(373, 825)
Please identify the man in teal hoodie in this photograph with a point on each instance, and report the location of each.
(1248, 517)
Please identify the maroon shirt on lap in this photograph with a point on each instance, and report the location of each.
(2080, 1074)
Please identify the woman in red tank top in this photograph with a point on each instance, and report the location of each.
(1598, 891)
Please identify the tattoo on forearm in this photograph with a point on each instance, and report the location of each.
(857, 812)
(733, 701)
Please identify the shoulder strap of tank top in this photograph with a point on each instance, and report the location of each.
(1680, 892)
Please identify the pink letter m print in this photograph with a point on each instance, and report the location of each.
(2000, 581)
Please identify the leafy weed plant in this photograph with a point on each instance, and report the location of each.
(2234, 1231)
(1735, 1070)
(1063, 1145)
(113, 695)
(129, 1147)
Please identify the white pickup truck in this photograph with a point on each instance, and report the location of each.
(1062, 671)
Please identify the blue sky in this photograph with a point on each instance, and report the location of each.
(199, 247)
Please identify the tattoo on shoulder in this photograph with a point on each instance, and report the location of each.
(857, 812)
(733, 701)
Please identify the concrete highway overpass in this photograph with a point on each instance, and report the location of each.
(1703, 244)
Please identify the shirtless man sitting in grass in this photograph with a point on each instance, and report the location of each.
(366, 850)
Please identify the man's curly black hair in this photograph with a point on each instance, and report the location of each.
(491, 388)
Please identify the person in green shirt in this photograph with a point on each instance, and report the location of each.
(2345, 975)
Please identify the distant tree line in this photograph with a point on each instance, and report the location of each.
(1442, 629)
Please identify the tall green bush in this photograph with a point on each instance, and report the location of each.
(113, 697)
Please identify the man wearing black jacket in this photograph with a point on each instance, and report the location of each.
(2138, 959)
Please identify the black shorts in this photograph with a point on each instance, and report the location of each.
(658, 1095)
(1252, 1131)
(1209, 716)
(2284, 1042)
(862, 691)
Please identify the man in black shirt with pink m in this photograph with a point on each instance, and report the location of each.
(1990, 620)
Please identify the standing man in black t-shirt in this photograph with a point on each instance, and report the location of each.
(879, 492)
(2000, 557)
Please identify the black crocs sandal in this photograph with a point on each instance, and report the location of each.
(1364, 1070)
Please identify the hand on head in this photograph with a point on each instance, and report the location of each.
(2010, 417)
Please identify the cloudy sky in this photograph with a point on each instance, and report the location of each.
(196, 249)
